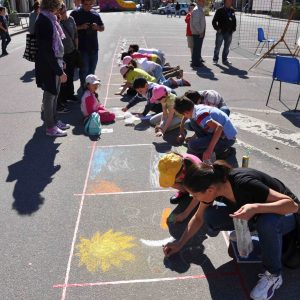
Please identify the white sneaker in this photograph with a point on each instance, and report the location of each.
(55, 131)
(266, 286)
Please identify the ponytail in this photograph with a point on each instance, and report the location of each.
(199, 178)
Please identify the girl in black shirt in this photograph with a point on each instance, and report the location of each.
(247, 193)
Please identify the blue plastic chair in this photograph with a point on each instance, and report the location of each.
(261, 39)
(286, 69)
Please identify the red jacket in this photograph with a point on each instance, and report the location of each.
(188, 27)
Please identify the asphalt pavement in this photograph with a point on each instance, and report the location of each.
(83, 219)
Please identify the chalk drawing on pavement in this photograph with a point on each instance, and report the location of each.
(103, 252)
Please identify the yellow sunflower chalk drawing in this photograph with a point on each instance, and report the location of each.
(104, 251)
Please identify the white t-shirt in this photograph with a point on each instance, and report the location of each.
(146, 65)
(212, 98)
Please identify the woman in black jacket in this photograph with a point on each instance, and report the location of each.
(49, 64)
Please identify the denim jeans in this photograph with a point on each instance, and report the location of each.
(67, 88)
(89, 60)
(196, 55)
(158, 74)
(220, 36)
(200, 144)
(5, 37)
(270, 229)
(49, 106)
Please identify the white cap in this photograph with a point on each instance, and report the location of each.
(92, 79)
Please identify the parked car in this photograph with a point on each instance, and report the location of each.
(184, 7)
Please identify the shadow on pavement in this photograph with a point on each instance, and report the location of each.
(33, 172)
(205, 72)
(293, 117)
(231, 70)
(28, 76)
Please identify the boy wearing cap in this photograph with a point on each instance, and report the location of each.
(168, 119)
(172, 169)
(90, 102)
(213, 128)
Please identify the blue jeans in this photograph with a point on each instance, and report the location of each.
(5, 37)
(200, 144)
(270, 229)
(196, 54)
(220, 37)
(89, 62)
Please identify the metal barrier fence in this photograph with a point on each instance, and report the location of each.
(270, 15)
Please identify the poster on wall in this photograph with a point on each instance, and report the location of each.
(267, 5)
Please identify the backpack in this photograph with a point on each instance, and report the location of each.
(92, 125)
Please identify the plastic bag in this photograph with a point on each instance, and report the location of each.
(130, 119)
(244, 241)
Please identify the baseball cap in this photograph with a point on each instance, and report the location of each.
(168, 167)
(127, 60)
(123, 70)
(158, 92)
(92, 79)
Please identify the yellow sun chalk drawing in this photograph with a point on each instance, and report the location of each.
(104, 251)
(164, 216)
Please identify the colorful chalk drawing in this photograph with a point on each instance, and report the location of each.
(102, 186)
(164, 217)
(105, 251)
(163, 224)
(154, 159)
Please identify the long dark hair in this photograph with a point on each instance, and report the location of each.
(198, 178)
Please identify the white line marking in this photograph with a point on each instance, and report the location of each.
(128, 145)
(266, 130)
(226, 74)
(282, 161)
(124, 193)
(157, 243)
(77, 223)
(107, 130)
(267, 111)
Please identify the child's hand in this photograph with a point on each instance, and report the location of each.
(119, 94)
(124, 109)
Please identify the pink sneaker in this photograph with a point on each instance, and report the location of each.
(55, 131)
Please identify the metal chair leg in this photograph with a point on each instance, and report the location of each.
(297, 104)
(280, 91)
(269, 93)
(257, 48)
(263, 45)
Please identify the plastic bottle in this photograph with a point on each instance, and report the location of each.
(244, 241)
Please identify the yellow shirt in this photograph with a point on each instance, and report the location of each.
(137, 73)
(170, 102)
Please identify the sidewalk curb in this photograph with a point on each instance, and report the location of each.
(18, 32)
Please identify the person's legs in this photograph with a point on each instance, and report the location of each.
(8, 38)
(155, 120)
(83, 71)
(227, 41)
(93, 60)
(217, 218)
(196, 50)
(270, 229)
(157, 73)
(3, 44)
(201, 43)
(199, 144)
(70, 69)
(174, 124)
(218, 44)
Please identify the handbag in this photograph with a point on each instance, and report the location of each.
(76, 55)
(31, 47)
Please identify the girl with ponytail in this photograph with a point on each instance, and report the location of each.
(246, 194)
